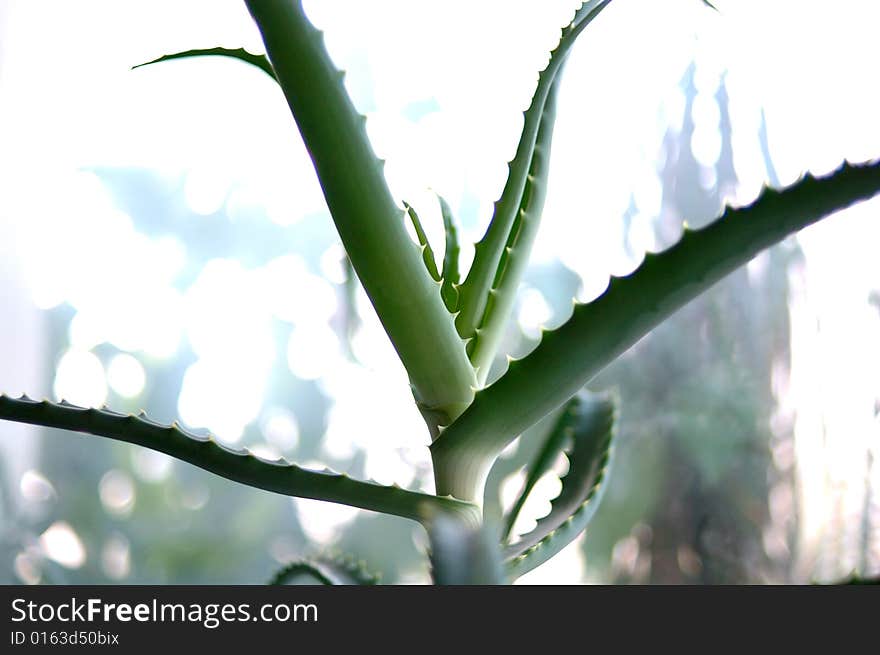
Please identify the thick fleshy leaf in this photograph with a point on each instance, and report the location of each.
(515, 257)
(427, 251)
(450, 274)
(239, 465)
(474, 294)
(599, 331)
(554, 444)
(591, 432)
(369, 221)
(260, 61)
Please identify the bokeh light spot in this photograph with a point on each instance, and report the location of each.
(126, 375)
(79, 379)
(61, 544)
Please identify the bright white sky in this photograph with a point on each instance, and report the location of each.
(69, 100)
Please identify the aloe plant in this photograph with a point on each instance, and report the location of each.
(446, 327)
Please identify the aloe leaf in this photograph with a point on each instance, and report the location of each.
(260, 61)
(327, 570)
(463, 553)
(597, 332)
(450, 274)
(368, 219)
(554, 443)
(474, 293)
(427, 251)
(519, 458)
(552, 543)
(299, 568)
(239, 465)
(589, 458)
(515, 257)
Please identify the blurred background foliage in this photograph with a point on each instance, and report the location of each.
(706, 487)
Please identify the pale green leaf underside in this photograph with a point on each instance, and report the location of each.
(599, 331)
(260, 61)
(239, 465)
(326, 570)
(589, 457)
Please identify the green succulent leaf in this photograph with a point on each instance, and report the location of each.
(475, 292)
(427, 251)
(239, 465)
(554, 443)
(515, 256)
(450, 275)
(260, 61)
(591, 430)
(599, 331)
(326, 570)
(368, 219)
(463, 553)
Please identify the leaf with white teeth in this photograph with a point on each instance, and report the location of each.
(515, 256)
(561, 431)
(475, 292)
(368, 219)
(239, 465)
(599, 331)
(589, 420)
